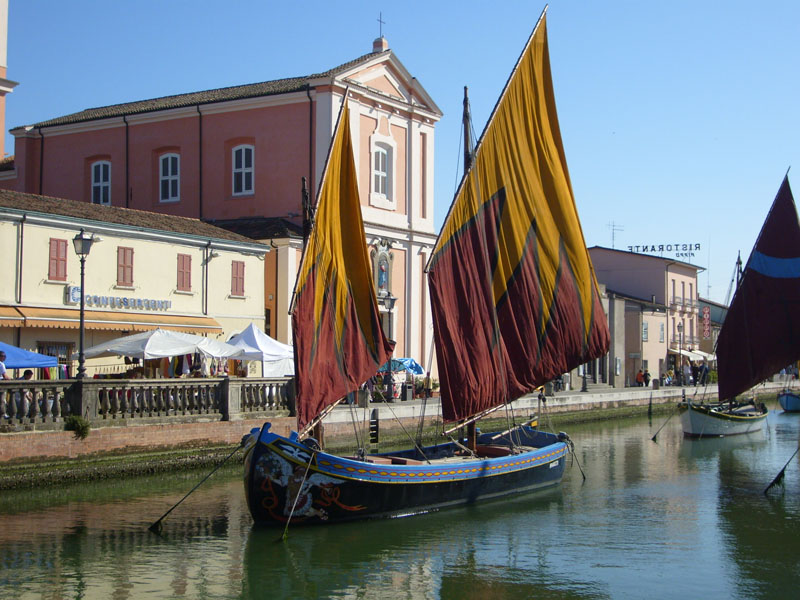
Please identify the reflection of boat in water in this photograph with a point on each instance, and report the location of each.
(395, 558)
(514, 303)
(758, 336)
(708, 447)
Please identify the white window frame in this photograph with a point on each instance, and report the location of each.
(173, 179)
(382, 180)
(380, 169)
(243, 171)
(100, 184)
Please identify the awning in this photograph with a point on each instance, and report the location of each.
(694, 354)
(10, 317)
(65, 318)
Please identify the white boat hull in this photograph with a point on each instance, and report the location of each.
(709, 421)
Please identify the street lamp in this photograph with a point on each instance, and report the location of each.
(83, 243)
(388, 303)
(680, 353)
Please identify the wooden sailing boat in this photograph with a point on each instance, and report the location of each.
(515, 303)
(760, 332)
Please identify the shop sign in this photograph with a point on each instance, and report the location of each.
(73, 296)
(681, 250)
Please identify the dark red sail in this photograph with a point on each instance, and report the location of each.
(761, 332)
(514, 295)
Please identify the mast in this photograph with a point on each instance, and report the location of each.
(308, 212)
(738, 270)
(466, 120)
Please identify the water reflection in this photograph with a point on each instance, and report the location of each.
(675, 518)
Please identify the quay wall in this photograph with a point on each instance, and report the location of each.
(50, 441)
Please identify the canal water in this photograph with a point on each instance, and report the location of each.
(675, 518)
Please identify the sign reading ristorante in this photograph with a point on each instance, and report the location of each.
(681, 250)
(73, 296)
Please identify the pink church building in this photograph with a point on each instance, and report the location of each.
(236, 157)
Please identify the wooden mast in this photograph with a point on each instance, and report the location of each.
(466, 118)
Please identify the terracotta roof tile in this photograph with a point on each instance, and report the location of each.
(238, 92)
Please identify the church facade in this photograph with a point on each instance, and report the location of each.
(239, 157)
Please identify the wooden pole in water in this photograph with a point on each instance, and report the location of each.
(779, 477)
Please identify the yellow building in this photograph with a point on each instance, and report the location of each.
(145, 270)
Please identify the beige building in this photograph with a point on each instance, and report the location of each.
(661, 309)
(145, 270)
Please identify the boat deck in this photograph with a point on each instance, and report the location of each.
(481, 453)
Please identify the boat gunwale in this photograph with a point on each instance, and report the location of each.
(424, 473)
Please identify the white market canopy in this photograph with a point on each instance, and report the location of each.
(277, 358)
(162, 343)
(696, 355)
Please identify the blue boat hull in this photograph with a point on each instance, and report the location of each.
(284, 476)
(789, 401)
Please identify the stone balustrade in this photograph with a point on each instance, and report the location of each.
(35, 404)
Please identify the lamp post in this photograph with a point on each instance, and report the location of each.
(83, 244)
(680, 353)
(388, 302)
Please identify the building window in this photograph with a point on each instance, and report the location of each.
(644, 331)
(380, 170)
(57, 270)
(661, 333)
(125, 266)
(101, 183)
(268, 321)
(169, 177)
(184, 273)
(237, 278)
(243, 170)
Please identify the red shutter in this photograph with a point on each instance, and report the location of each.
(124, 266)
(237, 278)
(184, 272)
(57, 268)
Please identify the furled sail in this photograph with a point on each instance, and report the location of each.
(338, 339)
(513, 291)
(762, 327)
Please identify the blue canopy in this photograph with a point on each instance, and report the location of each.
(17, 358)
(403, 364)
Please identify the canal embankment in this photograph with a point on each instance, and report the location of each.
(32, 458)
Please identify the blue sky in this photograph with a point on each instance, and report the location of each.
(679, 118)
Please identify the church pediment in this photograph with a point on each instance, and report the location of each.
(388, 77)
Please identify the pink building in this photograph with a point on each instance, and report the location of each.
(237, 156)
(661, 310)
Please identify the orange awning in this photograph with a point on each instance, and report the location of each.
(10, 317)
(65, 318)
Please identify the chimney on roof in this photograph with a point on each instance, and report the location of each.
(380, 44)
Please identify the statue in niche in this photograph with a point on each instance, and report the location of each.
(382, 267)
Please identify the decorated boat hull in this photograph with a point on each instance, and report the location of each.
(789, 401)
(287, 478)
(715, 420)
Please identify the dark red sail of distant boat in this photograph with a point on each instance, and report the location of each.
(761, 332)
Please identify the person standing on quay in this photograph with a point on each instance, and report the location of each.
(3, 372)
(646, 378)
(639, 378)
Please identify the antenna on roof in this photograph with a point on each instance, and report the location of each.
(614, 229)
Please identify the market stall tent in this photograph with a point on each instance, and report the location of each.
(17, 358)
(277, 358)
(162, 343)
